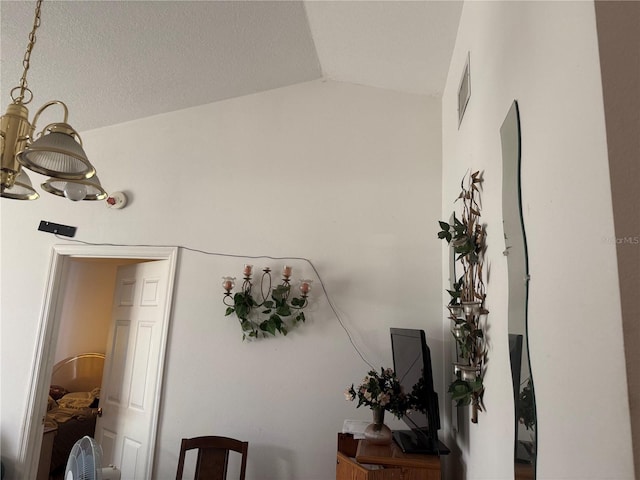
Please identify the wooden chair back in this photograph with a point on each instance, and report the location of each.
(213, 456)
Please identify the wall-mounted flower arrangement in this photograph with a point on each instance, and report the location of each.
(272, 311)
(467, 235)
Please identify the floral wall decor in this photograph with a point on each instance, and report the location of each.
(466, 235)
(270, 311)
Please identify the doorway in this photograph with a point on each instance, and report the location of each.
(62, 258)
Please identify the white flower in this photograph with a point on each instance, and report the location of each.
(348, 395)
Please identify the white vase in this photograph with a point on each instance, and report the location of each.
(377, 432)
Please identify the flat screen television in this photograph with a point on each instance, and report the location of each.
(412, 364)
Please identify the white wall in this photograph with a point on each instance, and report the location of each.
(346, 176)
(86, 309)
(545, 55)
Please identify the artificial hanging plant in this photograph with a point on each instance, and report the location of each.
(466, 236)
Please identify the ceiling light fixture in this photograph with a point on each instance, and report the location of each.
(57, 152)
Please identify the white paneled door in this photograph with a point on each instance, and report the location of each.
(132, 377)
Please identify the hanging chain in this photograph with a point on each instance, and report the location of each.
(27, 56)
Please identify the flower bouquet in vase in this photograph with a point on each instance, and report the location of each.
(381, 392)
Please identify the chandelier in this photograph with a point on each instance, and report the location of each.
(55, 152)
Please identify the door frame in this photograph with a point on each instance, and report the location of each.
(48, 326)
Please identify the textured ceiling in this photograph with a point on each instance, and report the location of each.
(115, 61)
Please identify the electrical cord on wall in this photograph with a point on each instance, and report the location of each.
(231, 255)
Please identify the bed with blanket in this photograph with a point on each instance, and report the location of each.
(73, 404)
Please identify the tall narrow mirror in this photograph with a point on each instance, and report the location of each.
(525, 438)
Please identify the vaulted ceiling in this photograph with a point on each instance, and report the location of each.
(115, 61)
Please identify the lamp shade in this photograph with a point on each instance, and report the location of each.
(57, 154)
(74, 189)
(21, 189)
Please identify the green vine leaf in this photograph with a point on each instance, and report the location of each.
(268, 326)
(444, 236)
(476, 386)
(277, 308)
(460, 392)
(242, 311)
(280, 293)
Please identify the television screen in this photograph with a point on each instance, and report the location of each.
(412, 364)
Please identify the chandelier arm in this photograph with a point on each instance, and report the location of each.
(47, 105)
(27, 57)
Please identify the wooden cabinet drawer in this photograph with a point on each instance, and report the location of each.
(348, 469)
(361, 460)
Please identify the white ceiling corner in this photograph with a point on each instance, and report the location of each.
(397, 45)
(113, 61)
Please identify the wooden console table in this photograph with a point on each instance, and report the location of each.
(359, 460)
